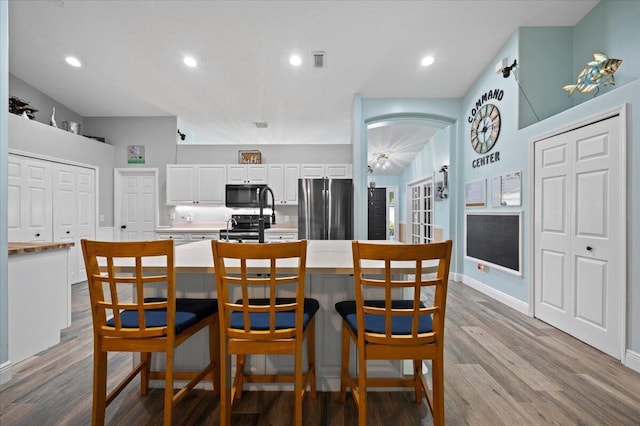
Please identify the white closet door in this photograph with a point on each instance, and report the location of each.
(65, 213)
(578, 260)
(35, 205)
(86, 214)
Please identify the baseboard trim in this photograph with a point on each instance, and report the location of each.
(501, 297)
(5, 372)
(632, 360)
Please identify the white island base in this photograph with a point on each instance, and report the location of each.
(329, 280)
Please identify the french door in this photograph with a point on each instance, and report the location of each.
(421, 211)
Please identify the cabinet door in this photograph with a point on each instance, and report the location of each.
(246, 173)
(290, 183)
(312, 170)
(236, 173)
(276, 181)
(257, 173)
(211, 183)
(337, 170)
(181, 188)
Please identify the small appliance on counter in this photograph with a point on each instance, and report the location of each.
(244, 227)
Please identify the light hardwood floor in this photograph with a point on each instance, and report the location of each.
(501, 368)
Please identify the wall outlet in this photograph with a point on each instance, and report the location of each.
(101, 218)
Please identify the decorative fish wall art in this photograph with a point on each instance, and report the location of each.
(596, 73)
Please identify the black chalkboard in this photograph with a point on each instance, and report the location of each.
(495, 238)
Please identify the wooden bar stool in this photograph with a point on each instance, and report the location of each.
(275, 324)
(395, 329)
(125, 320)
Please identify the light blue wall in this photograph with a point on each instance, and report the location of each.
(4, 93)
(513, 157)
(429, 160)
(542, 75)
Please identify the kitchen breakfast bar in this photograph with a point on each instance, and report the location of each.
(329, 280)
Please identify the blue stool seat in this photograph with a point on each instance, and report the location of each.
(376, 323)
(287, 319)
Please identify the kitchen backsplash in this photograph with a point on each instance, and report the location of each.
(196, 214)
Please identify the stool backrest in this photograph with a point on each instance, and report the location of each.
(404, 271)
(114, 288)
(243, 271)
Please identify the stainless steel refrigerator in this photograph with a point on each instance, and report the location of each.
(325, 209)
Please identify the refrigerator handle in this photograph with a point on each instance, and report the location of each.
(325, 204)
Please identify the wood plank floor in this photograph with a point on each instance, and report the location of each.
(502, 368)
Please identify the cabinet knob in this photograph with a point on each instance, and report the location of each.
(68, 232)
(37, 235)
(123, 227)
(589, 248)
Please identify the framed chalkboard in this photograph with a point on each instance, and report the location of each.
(495, 239)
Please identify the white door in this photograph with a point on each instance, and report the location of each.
(86, 213)
(577, 256)
(137, 206)
(29, 200)
(65, 213)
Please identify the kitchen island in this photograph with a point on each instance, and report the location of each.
(329, 280)
(39, 296)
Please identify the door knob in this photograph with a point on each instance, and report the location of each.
(123, 227)
(589, 248)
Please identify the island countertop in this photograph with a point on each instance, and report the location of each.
(332, 257)
(20, 248)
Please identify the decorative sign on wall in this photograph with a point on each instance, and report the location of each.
(485, 123)
(249, 157)
(135, 154)
(506, 190)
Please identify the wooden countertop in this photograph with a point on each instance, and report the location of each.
(20, 248)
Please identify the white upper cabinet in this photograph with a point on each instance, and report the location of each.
(325, 170)
(247, 173)
(196, 184)
(283, 181)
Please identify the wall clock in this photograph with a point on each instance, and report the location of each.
(485, 128)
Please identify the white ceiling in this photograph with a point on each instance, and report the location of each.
(132, 60)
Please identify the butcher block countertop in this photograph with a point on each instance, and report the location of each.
(20, 248)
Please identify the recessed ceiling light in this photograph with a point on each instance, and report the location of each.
(190, 61)
(295, 60)
(426, 61)
(73, 61)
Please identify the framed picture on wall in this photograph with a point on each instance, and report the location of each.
(249, 157)
(135, 154)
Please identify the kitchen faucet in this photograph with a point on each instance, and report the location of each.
(235, 222)
(261, 199)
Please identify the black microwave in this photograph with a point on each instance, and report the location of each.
(243, 195)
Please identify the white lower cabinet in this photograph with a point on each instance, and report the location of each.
(271, 236)
(186, 237)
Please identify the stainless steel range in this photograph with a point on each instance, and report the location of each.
(244, 227)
